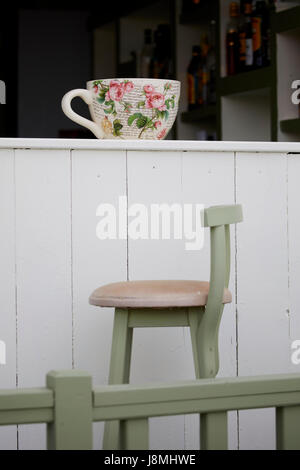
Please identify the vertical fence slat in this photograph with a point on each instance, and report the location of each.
(135, 434)
(288, 428)
(72, 426)
(213, 431)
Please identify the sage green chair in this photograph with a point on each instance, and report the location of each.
(196, 304)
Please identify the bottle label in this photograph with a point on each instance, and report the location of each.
(257, 39)
(249, 52)
(248, 9)
(204, 89)
(242, 38)
(205, 77)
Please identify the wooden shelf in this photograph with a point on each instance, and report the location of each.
(286, 20)
(205, 113)
(246, 81)
(291, 126)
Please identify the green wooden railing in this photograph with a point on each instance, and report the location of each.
(69, 406)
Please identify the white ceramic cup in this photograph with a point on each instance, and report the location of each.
(137, 108)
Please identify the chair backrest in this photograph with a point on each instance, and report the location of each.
(218, 219)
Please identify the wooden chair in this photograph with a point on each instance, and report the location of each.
(196, 304)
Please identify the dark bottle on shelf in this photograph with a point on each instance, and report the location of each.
(246, 38)
(194, 77)
(146, 55)
(270, 10)
(232, 40)
(204, 88)
(260, 39)
(161, 63)
(211, 65)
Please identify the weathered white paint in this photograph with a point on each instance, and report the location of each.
(43, 270)
(51, 260)
(262, 280)
(97, 177)
(293, 308)
(8, 377)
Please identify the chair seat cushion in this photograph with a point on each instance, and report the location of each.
(154, 294)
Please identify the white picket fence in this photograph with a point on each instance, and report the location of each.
(51, 260)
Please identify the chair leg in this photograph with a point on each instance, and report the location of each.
(194, 321)
(206, 363)
(118, 373)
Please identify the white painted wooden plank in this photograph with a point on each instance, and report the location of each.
(97, 177)
(209, 179)
(294, 254)
(8, 435)
(156, 178)
(158, 145)
(262, 281)
(176, 178)
(43, 246)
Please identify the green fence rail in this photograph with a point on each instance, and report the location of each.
(69, 405)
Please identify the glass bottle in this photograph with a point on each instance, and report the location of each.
(161, 63)
(194, 78)
(246, 37)
(211, 65)
(146, 55)
(232, 40)
(258, 26)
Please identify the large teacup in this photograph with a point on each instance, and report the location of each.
(137, 108)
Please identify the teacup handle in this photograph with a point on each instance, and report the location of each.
(85, 95)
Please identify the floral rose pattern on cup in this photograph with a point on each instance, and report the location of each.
(113, 93)
(112, 97)
(159, 103)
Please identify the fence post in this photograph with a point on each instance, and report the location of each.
(72, 426)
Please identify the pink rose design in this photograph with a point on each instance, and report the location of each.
(95, 88)
(148, 103)
(163, 108)
(148, 89)
(116, 90)
(128, 87)
(156, 100)
(107, 96)
(114, 83)
(162, 134)
(157, 124)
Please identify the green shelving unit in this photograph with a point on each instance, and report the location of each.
(246, 81)
(290, 126)
(287, 20)
(286, 25)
